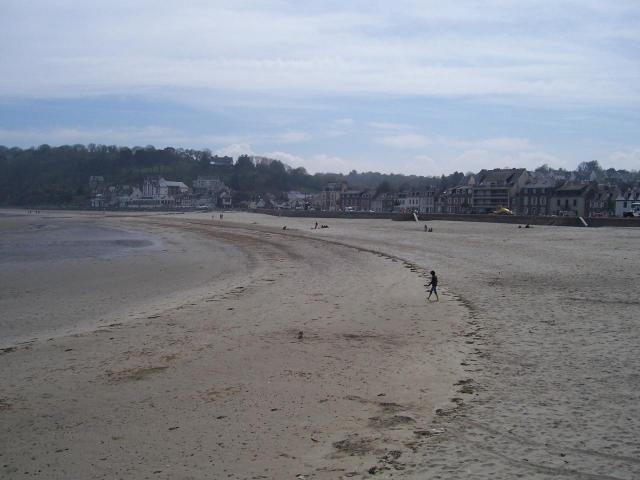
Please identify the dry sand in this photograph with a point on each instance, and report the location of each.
(526, 368)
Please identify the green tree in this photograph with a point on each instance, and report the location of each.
(244, 174)
(384, 187)
(585, 169)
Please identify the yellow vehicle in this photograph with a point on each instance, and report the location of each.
(502, 211)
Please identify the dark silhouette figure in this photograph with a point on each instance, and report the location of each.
(434, 285)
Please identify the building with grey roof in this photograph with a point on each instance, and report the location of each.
(572, 199)
(534, 197)
(497, 188)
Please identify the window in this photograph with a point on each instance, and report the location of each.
(558, 202)
(575, 202)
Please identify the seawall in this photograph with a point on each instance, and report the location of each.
(426, 217)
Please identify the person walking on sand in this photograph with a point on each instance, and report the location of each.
(434, 285)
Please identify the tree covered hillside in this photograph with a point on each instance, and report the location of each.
(59, 175)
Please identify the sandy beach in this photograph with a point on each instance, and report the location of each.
(188, 347)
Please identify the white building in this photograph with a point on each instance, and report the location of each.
(624, 200)
(298, 200)
(158, 192)
(125, 201)
(421, 201)
(330, 196)
(211, 185)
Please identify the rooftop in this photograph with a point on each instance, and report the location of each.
(170, 183)
(572, 188)
(499, 175)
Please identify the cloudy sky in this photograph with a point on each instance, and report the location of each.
(420, 87)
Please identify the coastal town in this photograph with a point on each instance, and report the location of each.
(511, 190)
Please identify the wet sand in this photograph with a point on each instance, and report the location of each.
(62, 274)
(526, 368)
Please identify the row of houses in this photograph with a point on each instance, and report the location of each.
(157, 192)
(522, 192)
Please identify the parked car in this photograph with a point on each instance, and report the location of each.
(634, 211)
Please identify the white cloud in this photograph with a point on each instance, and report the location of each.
(391, 126)
(285, 157)
(476, 159)
(411, 48)
(423, 165)
(337, 128)
(407, 140)
(344, 122)
(505, 143)
(292, 137)
(236, 149)
(444, 155)
(628, 159)
(314, 163)
(471, 159)
(328, 163)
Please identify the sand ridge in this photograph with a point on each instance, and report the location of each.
(553, 363)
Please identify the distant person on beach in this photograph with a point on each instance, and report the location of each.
(434, 285)
(221, 216)
(316, 227)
